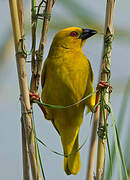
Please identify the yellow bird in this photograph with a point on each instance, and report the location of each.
(66, 78)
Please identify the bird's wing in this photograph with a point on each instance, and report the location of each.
(43, 75)
(91, 73)
(90, 102)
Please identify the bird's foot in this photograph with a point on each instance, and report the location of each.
(101, 85)
(36, 97)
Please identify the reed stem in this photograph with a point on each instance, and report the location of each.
(105, 76)
(24, 92)
(26, 163)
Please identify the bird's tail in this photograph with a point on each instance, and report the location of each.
(72, 163)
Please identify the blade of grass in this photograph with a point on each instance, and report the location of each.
(118, 147)
(108, 143)
(116, 143)
(121, 155)
(37, 146)
(121, 115)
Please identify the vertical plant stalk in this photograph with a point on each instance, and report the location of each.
(22, 76)
(37, 56)
(36, 67)
(26, 165)
(34, 26)
(105, 76)
(33, 66)
(92, 151)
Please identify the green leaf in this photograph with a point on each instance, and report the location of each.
(120, 118)
(121, 155)
(116, 143)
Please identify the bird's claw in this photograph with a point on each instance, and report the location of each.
(34, 96)
(103, 84)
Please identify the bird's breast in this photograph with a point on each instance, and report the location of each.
(66, 81)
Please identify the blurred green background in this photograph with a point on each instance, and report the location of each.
(65, 13)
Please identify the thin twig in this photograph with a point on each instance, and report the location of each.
(39, 54)
(105, 76)
(33, 62)
(48, 11)
(34, 26)
(26, 165)
(37, 57)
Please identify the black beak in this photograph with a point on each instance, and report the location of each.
(86, 33)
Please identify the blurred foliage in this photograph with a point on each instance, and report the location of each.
(81, 16)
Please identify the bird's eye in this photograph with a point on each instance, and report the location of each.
(73, 34)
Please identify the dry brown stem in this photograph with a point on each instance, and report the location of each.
(26, 165)
(22, 76)
(92, 150)
(105, 76)
(37, 65)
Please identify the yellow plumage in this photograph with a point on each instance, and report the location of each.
(66, 78)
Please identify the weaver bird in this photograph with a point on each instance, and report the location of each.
(66, 78)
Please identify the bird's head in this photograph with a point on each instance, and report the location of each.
(72, 37)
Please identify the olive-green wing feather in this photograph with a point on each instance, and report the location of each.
(43, 74)
(90, 102)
